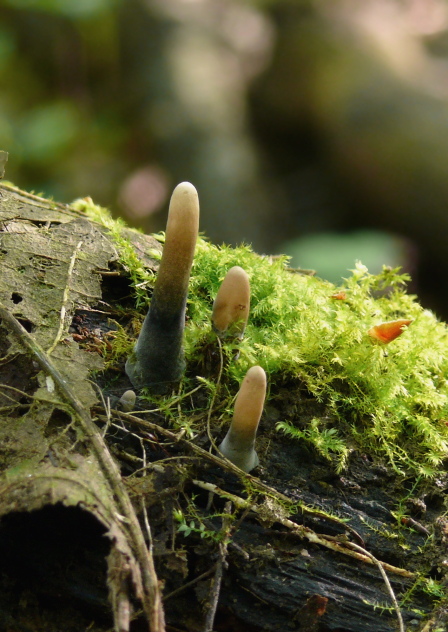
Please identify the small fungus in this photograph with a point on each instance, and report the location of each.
(157, 361)
(386, 332)
(339, 296)
(126, 403)
(239, 442)
(232, 304)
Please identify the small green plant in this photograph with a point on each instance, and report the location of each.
(188, 526)
(325, 441)
(117, 346)
(431, 587)
(383, 607)
(381, 531)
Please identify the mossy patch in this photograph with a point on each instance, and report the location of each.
(390, 401)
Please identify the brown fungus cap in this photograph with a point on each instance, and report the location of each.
(232, 303)
(238, 445)
(182, 228)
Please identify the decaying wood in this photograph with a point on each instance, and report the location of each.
(148, 591)
(130, 561)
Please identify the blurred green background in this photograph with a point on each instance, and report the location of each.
(315, 127)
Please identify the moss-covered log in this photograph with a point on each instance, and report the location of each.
(352, 444)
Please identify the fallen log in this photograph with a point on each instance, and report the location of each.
(95, 501)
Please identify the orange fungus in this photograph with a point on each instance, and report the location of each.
(340, 296)
(386, 332)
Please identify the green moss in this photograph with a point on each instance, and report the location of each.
(388, 400)
(116, 346)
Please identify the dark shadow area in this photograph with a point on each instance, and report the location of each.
(53, 571)
(15, 373)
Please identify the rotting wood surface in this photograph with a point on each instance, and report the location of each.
(61, 494)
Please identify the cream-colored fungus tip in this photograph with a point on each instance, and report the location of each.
(232, 304)
(239, 442)
(127, 401)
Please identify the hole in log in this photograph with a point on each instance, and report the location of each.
(59, 420)
(53, 569)
(116, 289)
(4, 342)
(26, 324)
(17, 372)
(16, 298)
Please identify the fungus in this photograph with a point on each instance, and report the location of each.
(386, 332)
(126, 403)
(232, 303)
(239, 442)
(339, 296)
(157, 361)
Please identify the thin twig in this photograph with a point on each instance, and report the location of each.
(32, 397)
(5, 409)
(8, 358)
(328, 542)
(154, 465)
(106, 406)
(210, 409)
(385, 578)
(44, 202)
(65, 297)
(190, 583)
(215, 588)
(212, 402)
(147, 527)
(18, 391)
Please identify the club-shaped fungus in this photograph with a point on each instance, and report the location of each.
(232, 303)
(157, 361)
(388, 331)
(239, 442)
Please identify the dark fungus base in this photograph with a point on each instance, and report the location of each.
(158, 361)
